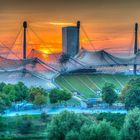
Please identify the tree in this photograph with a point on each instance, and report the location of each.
(36, 91)
(9, 90)
(17, 92)
(131, 84)
(21, 92)
(61, 125)
(102, 130)
(131, 127)
(54, 96)
(106, 132)
(131, 94)
(72, 135)
(88, 132)
(40, 100)
(116, 119)
(57, 95)
(132, 98)
(65, 95)
(108, 93)
(6, 99)
(4, 102)
(2, 105)
(1, 86)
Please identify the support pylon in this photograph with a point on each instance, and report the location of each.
(136, 46)
(24, 39)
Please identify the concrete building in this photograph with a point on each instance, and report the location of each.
(70, 39)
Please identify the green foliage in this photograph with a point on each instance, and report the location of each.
(25, 125)
(4, 102)
(102, 130)
(54, 96)
(106, 132)
(132, 98)
(21, 92)
(33, 91)
(38, 96)
(9, 90)
(131, 127)
(131, 94)
(116, 119)
(11, 93)
(40, 100)
(88, 132)
(63, 123)
(131, 84)
(44, 117)
(65, 95)
(72, 135)
(108, 93)
(3, 124)
(57, 95)
(1, 86)
(17, 92)
(71, 126)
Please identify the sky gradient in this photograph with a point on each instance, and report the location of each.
(108, 23)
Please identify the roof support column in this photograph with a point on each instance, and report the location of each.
(135, 46)
(24, 39)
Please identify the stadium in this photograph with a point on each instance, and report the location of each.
(76, 70)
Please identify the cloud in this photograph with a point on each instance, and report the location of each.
(61, 23)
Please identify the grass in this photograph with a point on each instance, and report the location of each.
(89, 84)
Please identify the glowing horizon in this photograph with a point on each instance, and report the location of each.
(106, 23)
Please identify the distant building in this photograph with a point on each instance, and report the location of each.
(70, 39)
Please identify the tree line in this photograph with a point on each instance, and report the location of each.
(130, 94)
(71, 126)
(13, 93)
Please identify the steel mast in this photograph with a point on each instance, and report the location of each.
(24, 39)
(136, 46)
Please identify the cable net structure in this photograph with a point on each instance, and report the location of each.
(101, 60)
(41, 68)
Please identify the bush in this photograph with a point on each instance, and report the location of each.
(131, 127)
(61, 125)
(116, 119)
(106, 132)
(44, 117)
(25, 125)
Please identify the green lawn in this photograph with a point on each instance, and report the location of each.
(89, 84)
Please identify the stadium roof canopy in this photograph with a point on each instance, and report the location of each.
(88, 59)
(83, 60)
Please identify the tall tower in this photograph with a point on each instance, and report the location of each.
(70, 39)
(24, 39)
(136, 46)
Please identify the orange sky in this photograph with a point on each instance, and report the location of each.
(108, 23)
